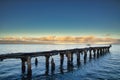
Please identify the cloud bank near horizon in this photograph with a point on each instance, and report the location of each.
(59, 40)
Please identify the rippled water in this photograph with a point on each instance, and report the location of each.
(106, 67)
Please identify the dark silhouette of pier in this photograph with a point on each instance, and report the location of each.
(92, 52)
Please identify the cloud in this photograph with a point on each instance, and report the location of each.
(107, 35)
(59, 40)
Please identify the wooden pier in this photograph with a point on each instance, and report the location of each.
(92, 52)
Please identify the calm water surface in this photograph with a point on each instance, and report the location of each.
(106, 67)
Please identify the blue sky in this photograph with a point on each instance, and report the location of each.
(60, 18)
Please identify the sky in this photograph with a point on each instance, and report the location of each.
(60, 21)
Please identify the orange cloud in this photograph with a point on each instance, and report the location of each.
(59, 40)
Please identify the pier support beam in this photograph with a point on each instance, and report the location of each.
(85, 56)
(71, 58)
(97, 53)
(61, 62)
(47, 64)
(23, 67)
(69, 65)
(36, 62)
(103, 51)
(100, 51)
(52, 66)
(71, 62)
(29, 70)
(108, 49)
(78, 59)
(94, 51)
(90, 54)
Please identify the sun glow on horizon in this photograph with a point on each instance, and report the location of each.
(59, 40)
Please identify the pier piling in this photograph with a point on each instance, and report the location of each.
(68, 55)
(85, 56)
(29, 70)
(90, 54)
(61, 62)
(78, 59)
(52, 66)
(47, 64)
(23, 65)
(36, 61)
(94, 51)
(98, 53)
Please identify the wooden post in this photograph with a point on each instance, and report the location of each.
(78, 59)
(61, 62)
(71, 63)
(71, 57)
(23, 67)
(29, 70)
(36, 62)
(61, 59)
(108, 49)
(97, 53)
(68, 60)
(104, 50)
(47, 64)
(94, 51)
(90, 54)
(52, 66)
(100, 51)
(85, 56)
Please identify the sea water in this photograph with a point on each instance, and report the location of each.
(106, 67)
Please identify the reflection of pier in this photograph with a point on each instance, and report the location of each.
(94, 52)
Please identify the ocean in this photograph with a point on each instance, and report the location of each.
(106, 67)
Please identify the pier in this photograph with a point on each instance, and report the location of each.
(91, 52)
